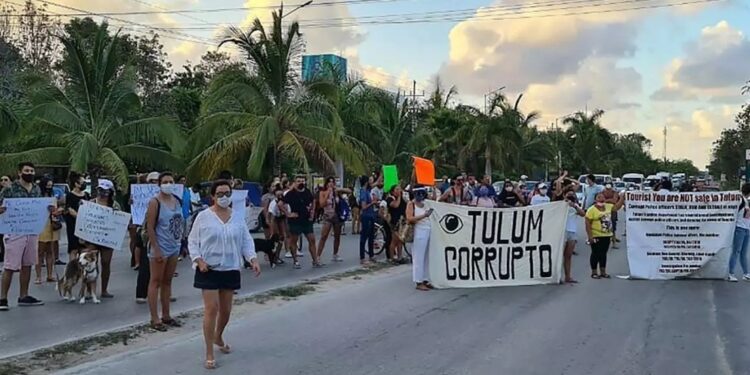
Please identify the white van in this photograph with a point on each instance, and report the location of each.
(635, 178)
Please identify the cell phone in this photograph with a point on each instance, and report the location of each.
(430, 211)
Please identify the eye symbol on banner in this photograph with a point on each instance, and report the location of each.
(451, 223)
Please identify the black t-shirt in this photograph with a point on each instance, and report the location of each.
(508, 199)
(398, 212)
(300, 202)
(74, 201)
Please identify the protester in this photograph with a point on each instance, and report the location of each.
(300, 219)
(539, 195)
(741, 237)
(5, 182)
(195, 197)
(277, 211)
(165, 226)
(457, 194)
(483, 198)
(590, 191)
(487, 182)
(571, 233)
(218, 246)
(105, 196)
(611, 196)
(367, 203)
(49, 237)
(20, 250)
(186, 210)
(73, 199)
(564, 185)
(510, 196)
(397, 215)
(599, 231)
(265, 201)
(419, 216)
(143, 267)
(354, 204)
(329, 201)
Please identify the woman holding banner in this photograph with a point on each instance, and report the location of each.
(741, 237)
(600, 231)
(419, 216)
(106, 197)
(571, 232)
(50, 236)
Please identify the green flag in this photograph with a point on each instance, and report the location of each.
(390, 177)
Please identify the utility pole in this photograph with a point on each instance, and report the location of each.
(413, 107)
(664, 156)
(487, 96)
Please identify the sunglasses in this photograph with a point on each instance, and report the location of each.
(222, 194)
(5, 179)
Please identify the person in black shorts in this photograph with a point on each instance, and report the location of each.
(397, 212)
(302, 206)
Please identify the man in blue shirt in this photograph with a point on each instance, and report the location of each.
(590, 191)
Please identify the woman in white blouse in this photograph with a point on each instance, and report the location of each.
(217, 245)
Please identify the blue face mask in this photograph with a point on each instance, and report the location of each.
(420, 196)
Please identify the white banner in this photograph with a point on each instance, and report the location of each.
(101, 225)
(25, 216)
(474, 247)
(680, 235)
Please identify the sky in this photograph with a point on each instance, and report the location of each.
(680, 66)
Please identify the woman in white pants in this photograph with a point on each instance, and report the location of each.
(419, 216)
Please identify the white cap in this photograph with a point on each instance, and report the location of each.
(524, 177)
(541, 185)
(106, 184)
(152, 176)
(383, 204)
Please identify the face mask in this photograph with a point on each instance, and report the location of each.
(83, 186)
(167, 189)
(508, 188)
(104, 193)
(224, 202)
(27, 177)
(420, 197)
(608, 187)
(301, 186)
(543, 191)
(345, 196)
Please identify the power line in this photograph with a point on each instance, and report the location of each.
(179, 13)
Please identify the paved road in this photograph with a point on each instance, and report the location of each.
(24, 329)
(383, 326)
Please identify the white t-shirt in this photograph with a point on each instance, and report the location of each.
(273, 208)
(539, 199)
(743, 216)
(572, 224)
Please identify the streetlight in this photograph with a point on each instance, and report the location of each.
(295, 9)
(488, 94)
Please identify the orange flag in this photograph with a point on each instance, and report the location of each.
(425, 171)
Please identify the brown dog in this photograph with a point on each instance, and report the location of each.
(82, 267)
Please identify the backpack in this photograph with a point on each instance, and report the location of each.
(343, 210)
(143, 232)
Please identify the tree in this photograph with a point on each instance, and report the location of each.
(591, 145)
(259, 119)
(87, 123)
(32, 33)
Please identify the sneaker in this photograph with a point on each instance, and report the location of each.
(337, 258)
(288, 255)
(140, 301)
(297, 266)
(29, 301)
(732, 278)
(746, 277)
(59, 263)
(300, 254)
(3, 305)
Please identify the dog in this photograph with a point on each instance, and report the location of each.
(83, 267)
(267, 247)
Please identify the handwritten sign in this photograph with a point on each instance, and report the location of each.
(141, 194)
(102, 225)
(239, 198)
(25, 216)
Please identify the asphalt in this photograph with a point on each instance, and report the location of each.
(24, 329)
(382, 325)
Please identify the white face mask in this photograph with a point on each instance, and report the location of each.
(224, 202)
(543, 191)
(167, 188)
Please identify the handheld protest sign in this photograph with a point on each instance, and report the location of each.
(390, 177)
(425, 171)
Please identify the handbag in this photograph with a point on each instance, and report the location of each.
(56, 224)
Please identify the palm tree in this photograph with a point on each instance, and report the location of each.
(591, 144)
(89, 124)
(254, 119)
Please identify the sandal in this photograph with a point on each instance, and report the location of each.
(158, 327)
(605, 276)
(38, 281)
(210, 364)
(423, 288)
(172, 322)
(594, 276)
(226, 349)
(428, 285)
(51, 280)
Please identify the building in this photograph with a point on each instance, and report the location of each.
(315, 65)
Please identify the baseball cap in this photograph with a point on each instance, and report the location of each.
(152, 176)
(541, 185)
(106, 184)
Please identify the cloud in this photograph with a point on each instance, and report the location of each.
(689, 136)
(713, 67)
